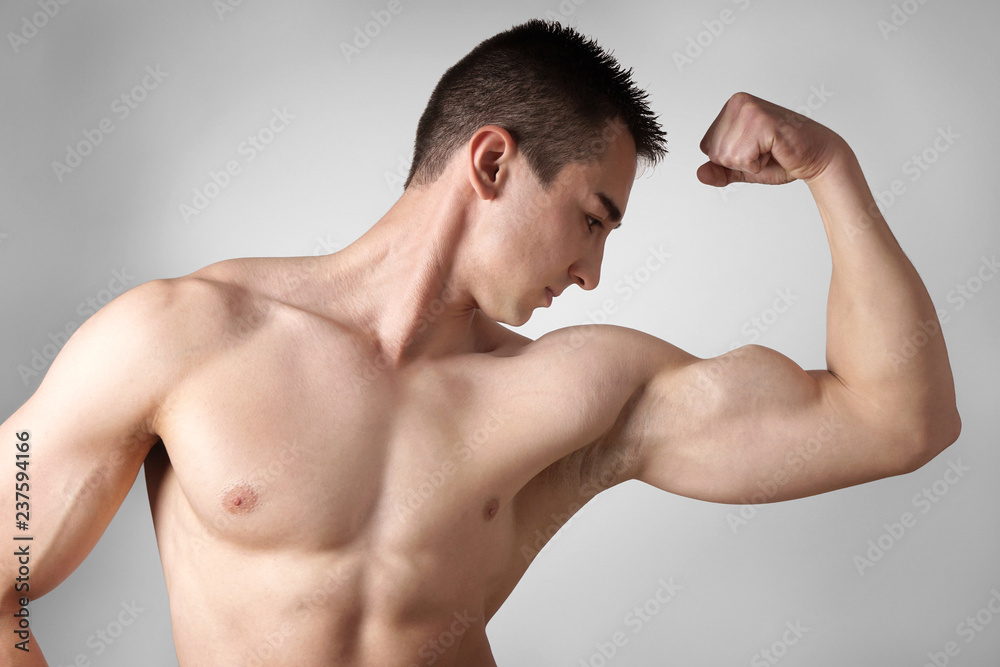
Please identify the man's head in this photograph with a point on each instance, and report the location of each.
(550, 87)
(538, 132)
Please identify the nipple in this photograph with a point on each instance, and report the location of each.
(491, 508)
(240, 499)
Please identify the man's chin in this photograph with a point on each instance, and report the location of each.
(513, 317)
(512, 321)
(523, 316)
(519, 321)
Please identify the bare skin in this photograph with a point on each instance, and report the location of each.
(357, 441)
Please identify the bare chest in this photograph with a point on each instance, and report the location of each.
(307, 442)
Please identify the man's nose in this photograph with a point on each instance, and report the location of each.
(587, 271)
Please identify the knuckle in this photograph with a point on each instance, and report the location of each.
(741, 99)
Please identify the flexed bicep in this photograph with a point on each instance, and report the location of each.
(751, 426)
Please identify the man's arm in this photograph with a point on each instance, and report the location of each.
(89, 426)
(751, 426)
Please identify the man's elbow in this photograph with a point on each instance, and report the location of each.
(931, 434)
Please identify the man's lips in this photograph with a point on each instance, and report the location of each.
(550, 295)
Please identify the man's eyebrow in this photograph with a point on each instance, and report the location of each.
(614, 213)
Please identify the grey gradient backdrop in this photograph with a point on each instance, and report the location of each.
(70, 240)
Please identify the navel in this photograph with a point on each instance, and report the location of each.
(240, 499)
(491, 508)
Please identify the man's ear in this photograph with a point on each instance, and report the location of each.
(491, 150)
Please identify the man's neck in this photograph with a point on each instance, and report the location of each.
(403, 279)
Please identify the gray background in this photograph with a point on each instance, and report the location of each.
(336, 168)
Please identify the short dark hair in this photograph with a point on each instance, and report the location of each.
(553, 89)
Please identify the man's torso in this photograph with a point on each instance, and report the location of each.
(314, 504)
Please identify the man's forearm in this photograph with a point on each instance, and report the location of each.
(883, 336)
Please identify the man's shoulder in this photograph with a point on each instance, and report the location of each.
(146, 339)
(199, 310)
(206, 297)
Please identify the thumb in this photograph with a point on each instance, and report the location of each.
(718, 176)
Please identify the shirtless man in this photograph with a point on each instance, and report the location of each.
(350, 452)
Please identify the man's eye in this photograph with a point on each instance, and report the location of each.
(594, 221)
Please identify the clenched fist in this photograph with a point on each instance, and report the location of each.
(754, 141)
